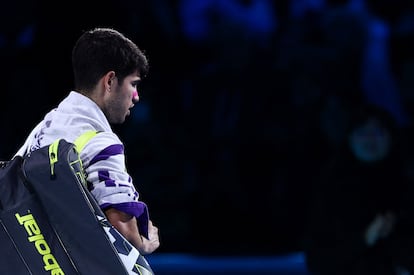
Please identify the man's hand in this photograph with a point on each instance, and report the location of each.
(151, 244)
(127, 225)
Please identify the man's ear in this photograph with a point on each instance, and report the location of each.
(108, 80)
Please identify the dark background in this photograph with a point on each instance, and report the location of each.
(238, 112)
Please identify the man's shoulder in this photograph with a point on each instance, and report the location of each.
(103, 140)
(102, 146)
(107, 137)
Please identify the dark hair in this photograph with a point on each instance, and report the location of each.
(101, 50)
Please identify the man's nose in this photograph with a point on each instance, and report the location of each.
(135, 97)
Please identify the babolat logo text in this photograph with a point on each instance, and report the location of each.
(35, 236)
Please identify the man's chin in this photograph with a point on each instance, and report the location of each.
(118, 122)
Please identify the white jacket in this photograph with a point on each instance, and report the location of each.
(103, 156)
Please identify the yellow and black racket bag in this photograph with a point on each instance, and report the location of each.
(50, 223)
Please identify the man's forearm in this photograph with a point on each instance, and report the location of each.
(127, 226)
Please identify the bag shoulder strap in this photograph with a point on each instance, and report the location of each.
(81, 141)
(79, 144)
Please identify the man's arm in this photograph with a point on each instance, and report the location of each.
(127, 225)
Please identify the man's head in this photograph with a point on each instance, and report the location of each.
(107, 67)
(101, 50)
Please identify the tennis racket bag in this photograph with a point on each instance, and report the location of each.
(50, 223)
